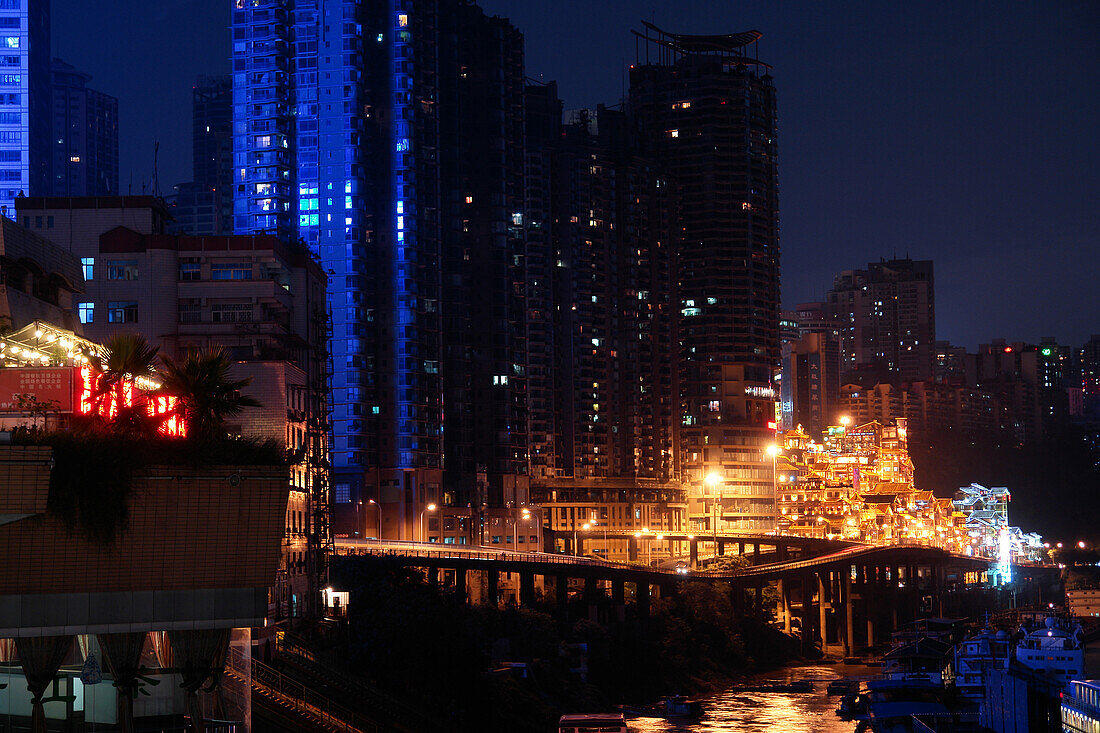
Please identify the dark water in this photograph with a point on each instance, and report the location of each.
(759, 712)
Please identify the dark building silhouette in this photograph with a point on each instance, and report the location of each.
(85, 136)
(602, 228)
(886, 318)
(703, 108)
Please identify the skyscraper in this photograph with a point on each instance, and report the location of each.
(601, 232)
(390, 138)
(886, 317)
(704, 109)
(85, 136)
(25, 121)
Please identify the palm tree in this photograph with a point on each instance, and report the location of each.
(206, 394)
(128, 357)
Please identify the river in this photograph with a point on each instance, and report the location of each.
(758, 712)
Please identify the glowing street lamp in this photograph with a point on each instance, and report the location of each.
(377, 511)
(429, 508)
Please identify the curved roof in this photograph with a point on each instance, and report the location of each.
(697, 44)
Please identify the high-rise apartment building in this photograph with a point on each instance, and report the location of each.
(25, 100)
(886, 318)
(601, 235)
(204, 205)
(84, 156)
(703, 108)
(810, 386)
(390, 139)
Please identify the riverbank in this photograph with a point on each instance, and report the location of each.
(486, 669)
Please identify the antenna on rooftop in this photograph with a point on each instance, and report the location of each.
(156, 152)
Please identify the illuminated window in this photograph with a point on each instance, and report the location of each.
(122, 311)
(674, 133)
(87, 264)
(231, 271)
(122, 270)
(190, 271)
(86, 311)
(402, 20)
(74, 159)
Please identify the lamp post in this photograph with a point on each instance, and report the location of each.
(714, 480)
(429, 508)
(378, 512)
(586, 526)
(515, 528)
(595, 523)
(773, 451)
(358, 504)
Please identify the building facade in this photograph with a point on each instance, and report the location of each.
(257, 297)
(25, 100)
(390, 139)
(601, 234)
(886, 318)
(84, 159)
(703, 109)
(810, 387)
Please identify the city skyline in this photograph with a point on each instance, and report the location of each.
(918, 116)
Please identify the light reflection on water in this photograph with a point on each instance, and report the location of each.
(760, 712)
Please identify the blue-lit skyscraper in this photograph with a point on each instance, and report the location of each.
(389, 137)
(24, 99)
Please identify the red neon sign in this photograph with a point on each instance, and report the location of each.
(91, 401)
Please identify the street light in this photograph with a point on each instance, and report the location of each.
(773, 451)
(714, 480)
(378, 512)
(845, 420)
(429, 508)
(357, 524)
(515, 528)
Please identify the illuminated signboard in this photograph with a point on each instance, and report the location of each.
(46, 386)
(76, 390)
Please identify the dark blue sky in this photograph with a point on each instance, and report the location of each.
(964, 132)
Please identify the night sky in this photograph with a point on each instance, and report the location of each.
(966, 133)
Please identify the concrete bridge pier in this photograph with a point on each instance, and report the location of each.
(460, 584)
(592, 598)
(693, 550)
(849, 616)
(561, 592)
(632, 548)
(784, 609)
(721, 548)
(741, 549)
(805, 612)
(527, 589)
(641, 594)
(822, 611)
(493, 582)
(618, 599)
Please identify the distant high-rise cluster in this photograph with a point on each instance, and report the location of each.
(869, 352)
(85, 136)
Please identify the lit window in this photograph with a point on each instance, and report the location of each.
(122, 270)
(87, 264)
(231, 271)
(674, 133)
(402, 20)
(122, 311)
(74, 159)
(86, 311)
